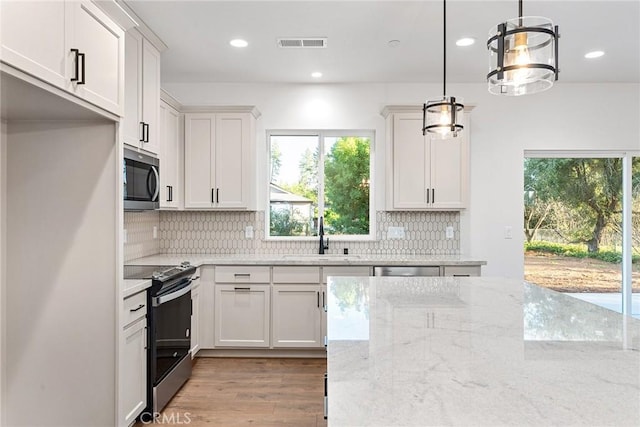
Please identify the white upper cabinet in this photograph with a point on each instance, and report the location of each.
(99, 76)
(33, 39)
(141, 127)
(72, 45)
(171, 155)
(220, 161)
(425, 173)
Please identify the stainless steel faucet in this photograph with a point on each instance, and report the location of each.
(324, 244)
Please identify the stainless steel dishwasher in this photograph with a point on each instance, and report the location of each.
(406, 271)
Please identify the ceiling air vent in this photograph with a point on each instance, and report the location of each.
(302, 42)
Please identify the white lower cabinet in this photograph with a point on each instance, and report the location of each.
(296, 307)
(206, 317)
(133, 361)
(297, 316)
(195, 313)
(242, 313)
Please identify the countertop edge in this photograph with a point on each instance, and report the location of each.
(134, 286)
(294, 260)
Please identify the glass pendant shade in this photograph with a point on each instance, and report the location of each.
(442, 118)
(523, 56)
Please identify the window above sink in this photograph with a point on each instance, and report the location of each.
(316, 174)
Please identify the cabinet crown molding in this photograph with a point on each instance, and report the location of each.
(170, 100)
(116, 12)
(221, 109)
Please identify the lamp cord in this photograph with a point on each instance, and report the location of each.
(520, 8)
(444, 49)
(520, 12)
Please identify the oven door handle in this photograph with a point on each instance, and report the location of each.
(173, 295)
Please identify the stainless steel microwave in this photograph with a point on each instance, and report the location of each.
(141, 181)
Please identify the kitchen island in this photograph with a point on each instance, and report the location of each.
(476, 352)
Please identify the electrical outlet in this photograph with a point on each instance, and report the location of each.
(508, 232)
(248, 232)
(395, 233)
(449, 232)
(155, 232)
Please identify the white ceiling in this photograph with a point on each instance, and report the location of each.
(198, 34)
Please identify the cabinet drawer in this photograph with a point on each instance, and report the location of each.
(296, 275)
(135, 307)
(459, 270)
(242, 274)
(359, 271)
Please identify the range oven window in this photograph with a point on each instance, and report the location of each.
(172, 332)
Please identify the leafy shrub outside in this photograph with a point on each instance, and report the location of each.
(576, 251)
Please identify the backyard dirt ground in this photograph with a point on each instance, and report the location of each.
(567, 274)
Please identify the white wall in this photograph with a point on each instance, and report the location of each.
(3, 256)
(61, 273)
(567, 117)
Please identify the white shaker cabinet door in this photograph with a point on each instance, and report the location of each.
(195, 319)
(170, 157)
(100, 72)
(297, 316)
(231, 146)
(448, 173)
(132, 123)
(242, 314)
(200, 130)
(151, 96)
(133, 391)
(33, 39)
(410, 163)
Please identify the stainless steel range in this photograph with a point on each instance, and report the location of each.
(169, 330)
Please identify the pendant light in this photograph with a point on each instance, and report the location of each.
(523, 55)
(442, 118)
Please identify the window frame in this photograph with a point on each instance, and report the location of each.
(322, 134)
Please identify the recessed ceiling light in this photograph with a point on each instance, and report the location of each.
(316, 74)
(594, 54)
(465, 41)
(238, 43)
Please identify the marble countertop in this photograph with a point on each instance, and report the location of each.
(476, 351)
(308, 259)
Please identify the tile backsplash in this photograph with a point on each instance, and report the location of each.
(224, 233)
(139, 229)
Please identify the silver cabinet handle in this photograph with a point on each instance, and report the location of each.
(428, 195)
(433, 195)
(242, 289)
(242, 275)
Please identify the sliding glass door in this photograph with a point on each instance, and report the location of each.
(581, 225)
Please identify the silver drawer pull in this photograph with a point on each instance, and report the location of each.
(137, 308)
(242, 275)
(242, 289)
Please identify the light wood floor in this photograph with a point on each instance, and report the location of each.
(256, 392)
